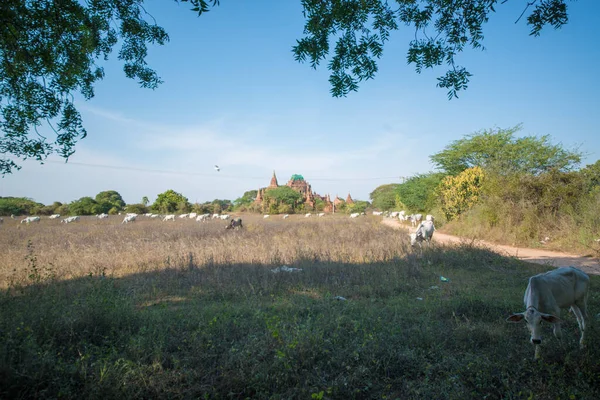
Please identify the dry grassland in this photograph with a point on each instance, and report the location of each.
(187, 310)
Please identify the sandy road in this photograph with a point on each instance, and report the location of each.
(551, 258)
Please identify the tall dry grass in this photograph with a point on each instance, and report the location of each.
(108, 247)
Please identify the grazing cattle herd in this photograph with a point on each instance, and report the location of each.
(545, 295)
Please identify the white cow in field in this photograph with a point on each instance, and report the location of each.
(54, 216)
(286, 216)
(354, 215)
(183, 216)
(546, 294)
(307, 215)
(215, 216)
(424, 233)
(29, 220)
(377, 212)
(203, 217)
(155, 216)
(102, 216)
(128, 219)
(320, 214)
(192, 215)
(265, 216)
(224, 217)
(170, 217)
(68, 220)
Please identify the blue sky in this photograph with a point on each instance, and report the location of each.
(234, 96)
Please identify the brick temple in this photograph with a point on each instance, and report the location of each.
(300, 185)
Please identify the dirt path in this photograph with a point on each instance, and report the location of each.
(538, 256)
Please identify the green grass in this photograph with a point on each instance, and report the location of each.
(219, 330)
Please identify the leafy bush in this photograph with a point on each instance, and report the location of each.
(461, 192)
(18, 206)
(418, 193)
(136, 208)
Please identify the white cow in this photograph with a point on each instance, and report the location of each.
(215, 216)
(183, 216)
(155, 216)
(546, 294)
(307, 215)
(170, 217)
(320, 214)
(377, 212)
(354, 215)
(54, 216)
(102, 216)
(192, 215)
(128, 219)
(68, 220)
(265, 216)
(224, 217)
(286, 216)
(424, 233)
(203, 217)
(29, 220)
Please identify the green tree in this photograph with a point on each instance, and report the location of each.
(223, 205)
(169, 202)
(246, 199)
(384, 196)
(18, 206)
(109, 199)
(591, 175)
(49, 51)
(359, 206)
(319, 205)
(136, 208)
(418, 193)
(499, 150)
(273, 198)
(84, 206)
(442, 29)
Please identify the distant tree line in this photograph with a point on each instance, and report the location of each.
(280, 200)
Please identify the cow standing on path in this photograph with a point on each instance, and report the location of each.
(546, 294)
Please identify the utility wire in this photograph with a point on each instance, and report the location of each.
(211, 175)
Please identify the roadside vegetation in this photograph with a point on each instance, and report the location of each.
(97, 309)
(509, 189)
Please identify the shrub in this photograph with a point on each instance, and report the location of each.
(461, 192)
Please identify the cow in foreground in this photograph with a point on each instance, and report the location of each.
(235, 223)
(424, 233)
(546, 294)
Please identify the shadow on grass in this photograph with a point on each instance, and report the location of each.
(244, 331)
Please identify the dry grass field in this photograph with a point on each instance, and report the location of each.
(182, 309)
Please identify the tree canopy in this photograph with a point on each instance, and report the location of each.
(500, 151)
(384, 196)
(170, 201)
(442, 29)
(49, 51)
(112, 198)
(418, 193)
